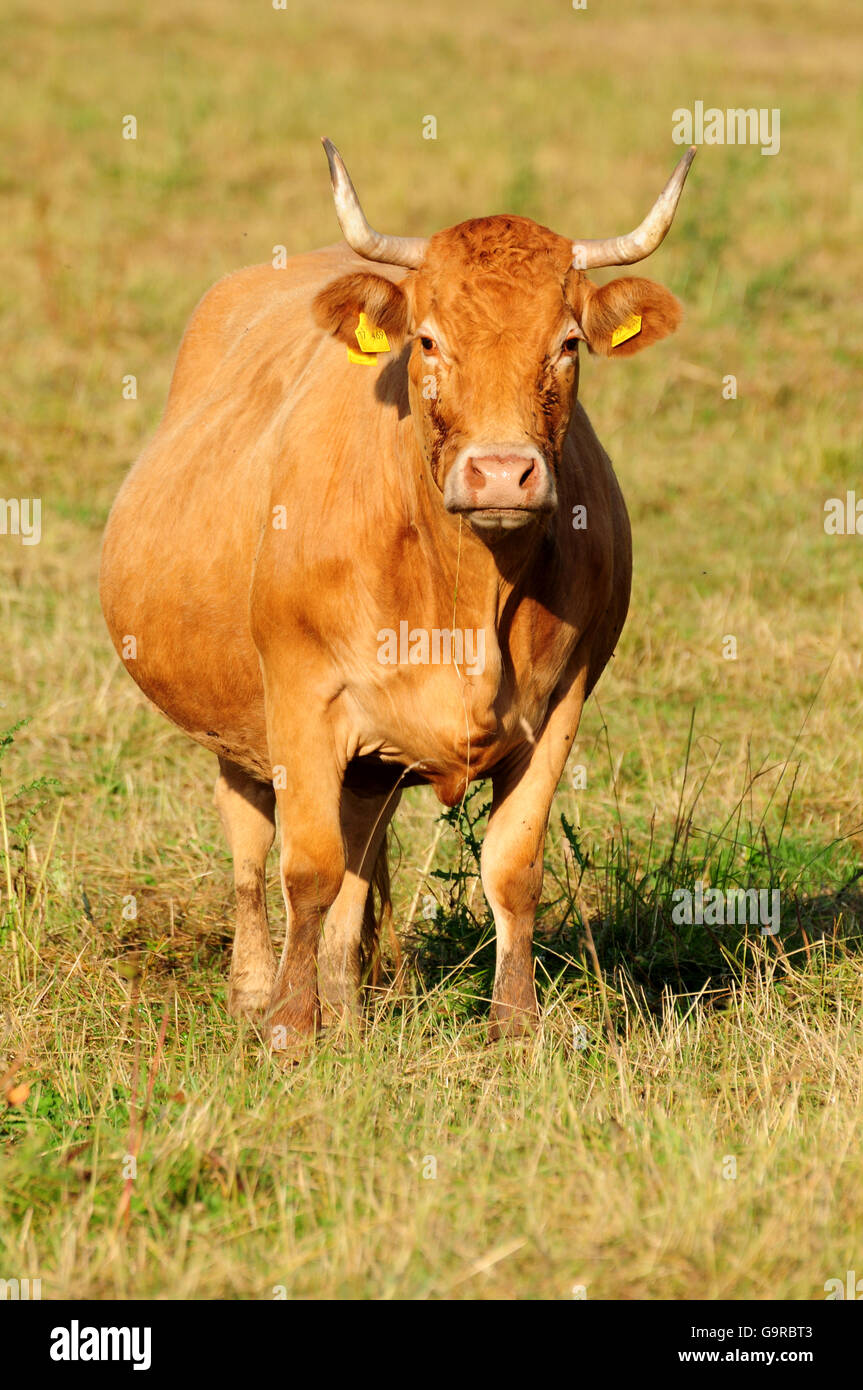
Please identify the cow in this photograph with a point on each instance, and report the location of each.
(363, 447)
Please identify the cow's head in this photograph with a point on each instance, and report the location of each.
(495, 311)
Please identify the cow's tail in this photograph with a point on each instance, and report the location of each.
(378, 917)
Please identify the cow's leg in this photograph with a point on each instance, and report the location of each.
(247, 810)
(512, 861)
(345, 945)
(308, 784)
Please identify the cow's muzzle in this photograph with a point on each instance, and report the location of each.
(500, 486)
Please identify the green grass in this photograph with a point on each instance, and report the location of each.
(597, 1154)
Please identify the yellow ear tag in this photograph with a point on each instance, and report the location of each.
(627, 329)
(367, 359)
(370, 339)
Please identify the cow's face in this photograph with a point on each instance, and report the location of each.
(494, 367)
(494, 317)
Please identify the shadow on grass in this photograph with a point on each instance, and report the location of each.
(693, 914)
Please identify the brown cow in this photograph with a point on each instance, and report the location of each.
(346, 571)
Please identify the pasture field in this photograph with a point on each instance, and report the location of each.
(688, 1121)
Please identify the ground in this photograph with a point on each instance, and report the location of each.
(687, 1123)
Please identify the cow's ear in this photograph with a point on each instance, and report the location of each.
(624, 316)
(337, 308)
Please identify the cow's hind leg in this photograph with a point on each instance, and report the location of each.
(350, 930)
(247, 810)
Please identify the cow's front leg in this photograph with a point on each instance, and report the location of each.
(312, 867)
(512, 864)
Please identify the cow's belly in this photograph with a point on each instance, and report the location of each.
(211, 689)
(182, 632)
(430, 730)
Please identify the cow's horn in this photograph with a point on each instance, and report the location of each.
(375, 246)
(623, 250)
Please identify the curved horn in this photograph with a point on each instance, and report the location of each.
(375, 246)
(624, 250)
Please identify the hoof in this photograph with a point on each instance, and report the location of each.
(512, 1024)
(248, 1000)
(289, 1046)
(341, 1011)
(292, 1025)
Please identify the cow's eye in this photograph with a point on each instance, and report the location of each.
(427, 344)
(570, 345)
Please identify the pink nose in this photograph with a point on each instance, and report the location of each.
(502, 480)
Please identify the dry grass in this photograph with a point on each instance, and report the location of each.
(599, 1165)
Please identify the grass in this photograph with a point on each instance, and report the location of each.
(599, 1155)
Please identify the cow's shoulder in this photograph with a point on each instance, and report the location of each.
(256, 311)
